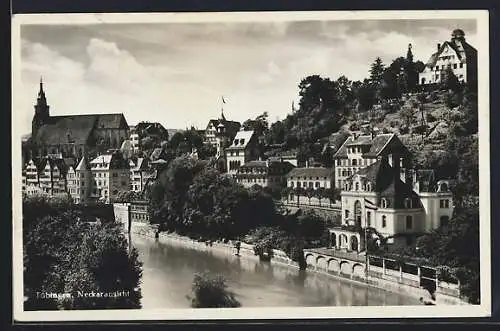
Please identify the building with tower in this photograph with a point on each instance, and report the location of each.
(212, 133)
(74, 135)
(455, 54)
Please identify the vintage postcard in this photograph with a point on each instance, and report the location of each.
(265, 165)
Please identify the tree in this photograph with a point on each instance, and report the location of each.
(65, 254)
(310, 193)
(377, 70)
(211, 292)
(333, 194)
(298, 192)
(456, 245)
(408, 115)
(450, 80)
(319, 193)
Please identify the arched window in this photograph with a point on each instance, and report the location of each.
(384, 203)
(368, 187)
(357, 212)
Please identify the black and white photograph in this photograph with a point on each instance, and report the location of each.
(251, 165)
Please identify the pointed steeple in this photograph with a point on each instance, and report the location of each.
(41, 100)
(42, 114)
(409, 54)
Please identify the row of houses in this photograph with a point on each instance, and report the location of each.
(99, 179)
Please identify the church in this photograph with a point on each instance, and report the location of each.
(73, 136)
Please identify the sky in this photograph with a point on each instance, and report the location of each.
(176, 73)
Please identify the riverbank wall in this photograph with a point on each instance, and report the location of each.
(354, 274)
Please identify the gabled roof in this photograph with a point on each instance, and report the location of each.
(377, 144)
(462, 52)
(110, 162)
(83, 165)
(111, 121)
(139, 164)
(311, 172)
(241, 139)
(336, 140)
(53, 163)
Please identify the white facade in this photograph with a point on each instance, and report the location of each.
(447, 58)
(109, 177)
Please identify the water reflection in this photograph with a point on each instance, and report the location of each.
(169, 270)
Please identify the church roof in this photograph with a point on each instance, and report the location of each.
(76, 128)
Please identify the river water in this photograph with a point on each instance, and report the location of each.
(168, 271)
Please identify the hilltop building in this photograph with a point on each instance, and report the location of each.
(74, 135)
(212, 133)
(456, 54)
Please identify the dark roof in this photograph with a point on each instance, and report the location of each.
(467, 49)
(76, 128)
(255, 164)
(41, 163)
(377, 144)
(336, 140)
(310, 172)
(231, 126)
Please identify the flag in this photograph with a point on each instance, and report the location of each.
(223, 101)
(370, 205)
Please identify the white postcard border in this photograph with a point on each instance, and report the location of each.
(482, 17)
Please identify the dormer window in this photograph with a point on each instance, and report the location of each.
(242, 141)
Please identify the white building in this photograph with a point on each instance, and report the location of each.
(394, 203)
(140, 172)
(267, 173)
(244, 148)
(455, 54)
(359, 152)
(111, 175)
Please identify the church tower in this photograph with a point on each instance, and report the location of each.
(42, 114)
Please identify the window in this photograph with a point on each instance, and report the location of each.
(298, 184)
(316, 184)
(291, 184)
(368, 187)
(461, 65)
(304, 184)
(384, 203)
(408, 203)
(354, 162)
(357, 186)
(454, 66)
(346, 214)
(444, 203)
(409, 222)
(384, 221)
(310, 184)
(368, 218)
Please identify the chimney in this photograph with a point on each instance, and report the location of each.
(438, 47)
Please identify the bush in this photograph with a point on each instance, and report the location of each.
(430, 118)
(211, 292)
